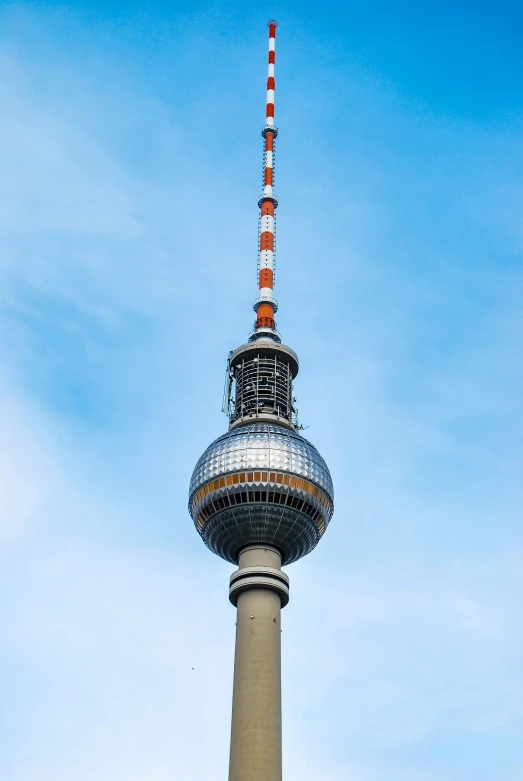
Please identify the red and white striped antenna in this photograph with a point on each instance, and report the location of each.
(266, 305)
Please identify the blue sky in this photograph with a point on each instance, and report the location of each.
(131, 168)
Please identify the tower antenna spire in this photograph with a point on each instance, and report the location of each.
(266, 305)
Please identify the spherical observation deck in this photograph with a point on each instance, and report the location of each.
(261, 483)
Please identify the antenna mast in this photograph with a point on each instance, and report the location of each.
(266, 305)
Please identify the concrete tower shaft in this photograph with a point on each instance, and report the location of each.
(256, 740)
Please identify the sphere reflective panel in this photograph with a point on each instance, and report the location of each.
(261, 483)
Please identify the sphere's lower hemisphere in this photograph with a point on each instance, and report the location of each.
(293, 533)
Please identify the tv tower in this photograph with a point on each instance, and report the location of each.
(260, 496)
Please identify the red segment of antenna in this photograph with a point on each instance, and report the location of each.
(266, 306)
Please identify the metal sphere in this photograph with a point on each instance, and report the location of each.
(261, 483)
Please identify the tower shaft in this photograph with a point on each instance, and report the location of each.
(256, 744)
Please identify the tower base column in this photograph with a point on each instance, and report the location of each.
(259, 589)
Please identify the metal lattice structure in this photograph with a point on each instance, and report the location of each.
(263, 385)
(259, 383)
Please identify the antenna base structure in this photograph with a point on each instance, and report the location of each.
(260, 383)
